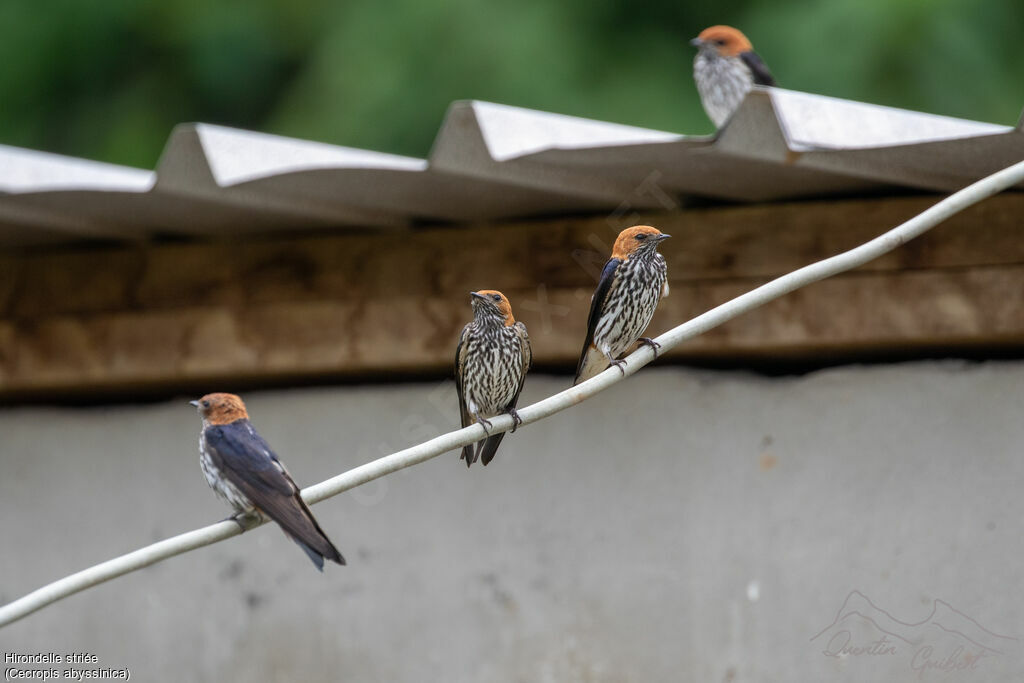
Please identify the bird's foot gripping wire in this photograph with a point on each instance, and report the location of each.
(245, 519)
(516, 420)
(485, 423)
(647, 341)
(618, 364)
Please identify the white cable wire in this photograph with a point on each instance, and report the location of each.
(191, 540)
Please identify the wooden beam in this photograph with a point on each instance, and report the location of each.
(299, 308)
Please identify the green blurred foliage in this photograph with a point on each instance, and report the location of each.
(108, 79)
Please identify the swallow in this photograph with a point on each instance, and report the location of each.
(725, 69)
(632, 283)
(491, 362)
(242, 469)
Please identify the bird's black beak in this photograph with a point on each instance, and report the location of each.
(696, 42)
(663, 236)
(478, 296)
(194, 404)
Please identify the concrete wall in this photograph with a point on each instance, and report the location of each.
(686, 525)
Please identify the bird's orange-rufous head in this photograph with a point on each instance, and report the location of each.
(725, 40)
(635, 239)
(220, 409)
(493, 302)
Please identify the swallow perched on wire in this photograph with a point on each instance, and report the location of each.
(725, 69)
(491, 362)
(631, 285)
(242, 469)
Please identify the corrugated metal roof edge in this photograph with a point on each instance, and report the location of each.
(492, 161)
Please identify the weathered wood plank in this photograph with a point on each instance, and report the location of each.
(298, 308)
(302, 339)
(707, 244)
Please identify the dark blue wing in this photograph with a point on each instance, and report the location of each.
(246, 460)
(762, 76)
(597, 306)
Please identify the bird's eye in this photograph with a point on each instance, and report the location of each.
(720, 41)
(206, 404)
(496, 297)
(641, 237)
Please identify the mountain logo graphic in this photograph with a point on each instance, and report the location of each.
(947, 639)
